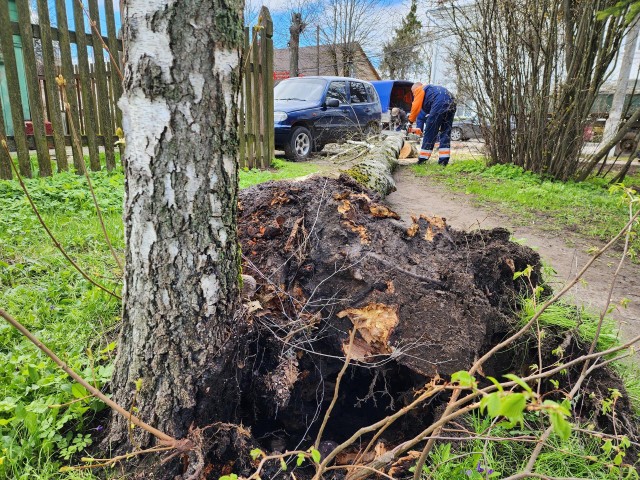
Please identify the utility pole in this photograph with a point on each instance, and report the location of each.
(318, 50)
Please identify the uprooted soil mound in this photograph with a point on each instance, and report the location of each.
(327, 256)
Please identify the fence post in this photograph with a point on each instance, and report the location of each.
(13, 85)
(266, 48)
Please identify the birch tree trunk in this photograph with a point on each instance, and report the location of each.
(181, 280)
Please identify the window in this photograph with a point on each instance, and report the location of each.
(358, 92)
(338, 90)
(299, 89)
(373, 95)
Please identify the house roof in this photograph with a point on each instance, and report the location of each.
(308, 62)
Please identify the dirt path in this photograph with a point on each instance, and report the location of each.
(565, 252)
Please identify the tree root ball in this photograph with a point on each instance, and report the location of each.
(328, 256)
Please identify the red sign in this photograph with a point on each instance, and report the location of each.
(281, 75)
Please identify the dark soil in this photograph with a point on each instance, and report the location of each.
(327, 255)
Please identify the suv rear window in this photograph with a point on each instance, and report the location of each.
(373, 95)
(358, 92)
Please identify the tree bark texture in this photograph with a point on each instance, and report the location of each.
(182, 80)
(375, 171)
(295, 29)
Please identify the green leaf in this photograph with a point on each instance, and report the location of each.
(607, 446)
(491, 403)
(496, 383)
(512, 406)
(464, 379)
(255, 453)
(519, 381)
(561, 427)
(300, 459)
(283, 464)
(618, 458)
(315, 455)
(78, 391)
(33, 373)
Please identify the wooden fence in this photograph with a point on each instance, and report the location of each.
(33, 57)
(256, 98)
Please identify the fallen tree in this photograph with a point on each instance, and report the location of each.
(375, 170)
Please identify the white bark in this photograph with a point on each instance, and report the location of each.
(181, 281)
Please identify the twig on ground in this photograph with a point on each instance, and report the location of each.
(166, 440)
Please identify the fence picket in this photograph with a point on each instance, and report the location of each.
(53, 96)
(33, 87)
(86, 87)
(115, 69)
(104, 110)
(70, 83)
(13, 86)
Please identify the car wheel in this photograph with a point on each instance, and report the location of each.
(300, 145)
(456, 134)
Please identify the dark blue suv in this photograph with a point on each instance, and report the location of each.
(313, 111)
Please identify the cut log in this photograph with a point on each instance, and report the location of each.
(375, 170)
(409, 150)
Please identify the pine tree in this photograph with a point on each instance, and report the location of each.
(402, 54)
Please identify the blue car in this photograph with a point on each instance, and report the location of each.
(313, 111)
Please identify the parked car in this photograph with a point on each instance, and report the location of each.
(393, 93)
(466, 129)
(310, 112)
(471, 129)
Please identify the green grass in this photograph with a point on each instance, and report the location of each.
(581, 456)
(35, 167)
(280, 170)
(563, 317)
(586, 208)
(51, 299)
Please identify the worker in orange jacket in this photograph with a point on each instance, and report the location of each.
(437, 107)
